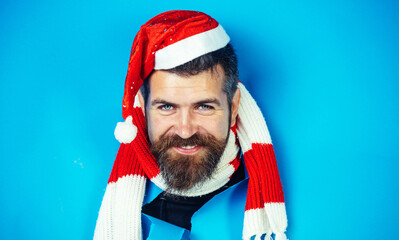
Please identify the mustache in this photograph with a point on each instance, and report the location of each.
(166, 142)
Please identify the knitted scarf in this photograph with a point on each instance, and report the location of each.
(120, 212)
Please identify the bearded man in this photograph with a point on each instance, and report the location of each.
(184, 131)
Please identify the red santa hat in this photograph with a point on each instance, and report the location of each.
(164, 42)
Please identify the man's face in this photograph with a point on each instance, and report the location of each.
(188, 121)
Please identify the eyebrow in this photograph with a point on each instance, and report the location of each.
(209, 100)
(205, 101)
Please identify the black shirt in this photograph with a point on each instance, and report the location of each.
(178, 210)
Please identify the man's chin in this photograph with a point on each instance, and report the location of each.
(192, 163)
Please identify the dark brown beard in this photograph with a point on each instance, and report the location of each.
(181, 172)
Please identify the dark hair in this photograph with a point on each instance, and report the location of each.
(226, 57)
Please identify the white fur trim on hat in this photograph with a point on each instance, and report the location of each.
(125, 132)
(190, 48)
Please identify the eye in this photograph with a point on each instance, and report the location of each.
(166, 107)
(204, 107)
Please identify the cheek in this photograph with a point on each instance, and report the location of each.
(156, 127)
(218, 127)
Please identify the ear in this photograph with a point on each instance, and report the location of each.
(141, 102)
(234, 106)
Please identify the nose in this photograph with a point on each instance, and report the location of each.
(186, 124)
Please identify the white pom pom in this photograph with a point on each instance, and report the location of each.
(125, 132)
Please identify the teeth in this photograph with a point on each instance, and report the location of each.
(188, 147)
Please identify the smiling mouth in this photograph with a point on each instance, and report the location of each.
(189, 149)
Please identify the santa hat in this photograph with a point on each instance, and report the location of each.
(164, 42)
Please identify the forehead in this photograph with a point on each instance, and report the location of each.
(166, 85)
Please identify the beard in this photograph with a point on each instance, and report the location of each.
(180, 171)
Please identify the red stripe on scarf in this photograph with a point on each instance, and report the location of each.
(141, 145)
(235, 163)
(125, 164)
(264, 181)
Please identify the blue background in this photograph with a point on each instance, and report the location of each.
(325, 74)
